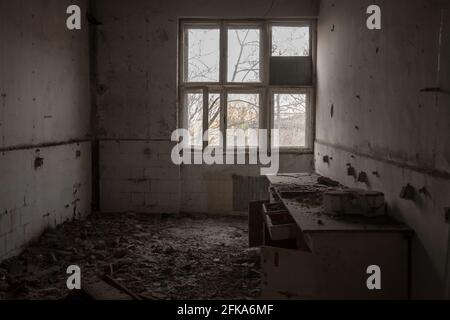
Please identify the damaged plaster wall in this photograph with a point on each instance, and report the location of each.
(137, 104)
(45, 162)
(373, 114)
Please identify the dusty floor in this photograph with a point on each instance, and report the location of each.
(160, 257)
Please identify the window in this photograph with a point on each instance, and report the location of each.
(289, 117)
(236, 76)
(194, 117)
(290, 41)
(244, 55)
(214, 119)
(202, 53)
(243, 114)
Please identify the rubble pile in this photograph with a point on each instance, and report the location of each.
(160, 257)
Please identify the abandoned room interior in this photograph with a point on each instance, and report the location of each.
(224, 150)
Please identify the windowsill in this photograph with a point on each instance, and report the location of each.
(296, 151)
(299, 151)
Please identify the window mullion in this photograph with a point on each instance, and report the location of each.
(205, 116)
(223, 53)
(266, 45)
(224, 122)
(309, 120)
(184, 119)
(184, 54)
(267, 112)
(223, 80)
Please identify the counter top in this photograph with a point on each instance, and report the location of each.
(303, 197)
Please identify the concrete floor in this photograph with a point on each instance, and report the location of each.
(159, 257)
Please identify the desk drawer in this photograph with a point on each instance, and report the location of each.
(281, 226)
(279, 222)
(273, 195)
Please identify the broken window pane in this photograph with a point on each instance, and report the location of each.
(214, 120)
(202, 55)
(194, 109)
(290, 42)
(244, 55)
(243, 116)
(290, 119)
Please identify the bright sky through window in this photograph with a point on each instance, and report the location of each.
(290, 42)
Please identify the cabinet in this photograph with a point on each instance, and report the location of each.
(315, 256)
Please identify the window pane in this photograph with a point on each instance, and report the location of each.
(203, 55)
(290, 119)
(244, 61)
(194, 108)
(243, 116)
(290, 41)
(214, 120)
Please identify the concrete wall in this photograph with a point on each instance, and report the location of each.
(372, 114)
(137, 105)
(45, 153)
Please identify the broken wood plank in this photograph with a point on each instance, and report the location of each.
(118, 286)
(101, 290)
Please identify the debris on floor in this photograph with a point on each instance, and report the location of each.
(158, 257)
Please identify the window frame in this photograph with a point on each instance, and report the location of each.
(309, 122)
(290, 23)
(262, 64)
(262, 111)
(184, 47)
(263, 87)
